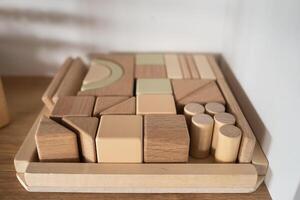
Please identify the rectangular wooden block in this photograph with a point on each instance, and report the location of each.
(192, 67)
(73, 106)
(149, 59)
(153, 86)
(155, 104)
(149, 71)
(204, 67)
(166, 138)
(184, 67)
(120, 139)
(173, 66)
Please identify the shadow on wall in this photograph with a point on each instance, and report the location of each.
(43, 49)
(297, 195)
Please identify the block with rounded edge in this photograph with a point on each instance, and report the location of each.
(153, 86)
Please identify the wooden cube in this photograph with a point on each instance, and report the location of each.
(153, 86)
(55, 143)
(155, 104)
(166, 138)
(120, 139)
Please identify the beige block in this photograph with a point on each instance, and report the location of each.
(153, 86)
(173, 66)
(149, 59)
(190, 110)
(213, 108)
(96, 72)
(120, 139)
(155, 104)
(204, 67)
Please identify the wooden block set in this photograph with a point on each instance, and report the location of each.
(129, 119)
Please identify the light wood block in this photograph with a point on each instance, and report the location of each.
(192, 67)
(166, 138)
(155, 104)
(201, 135)
(86, 128)
(72, 81)
(149, 59)
(105, 102)
(197, 91)
(96, 72)
(228, 144)
(120, 139)
(121, 87)
(204, 67)
(73, 106)
(220, 119)
(4, 114)
(150, 71)
(184, 67)
(173, 66)
(190, 110)
(126, 107)
(55, 143)
(153, 86)
(56, 81)
(213, 108)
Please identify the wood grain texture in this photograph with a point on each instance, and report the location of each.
(55, 83)
(166, 138)
(144, 59)
(190, 110)
(153, 86)
(173, 66)
(150, 71)
(72, 81)
(4, 114)
(184, 67)
(120, 139)
(73, 106)
(126, 107)
(25, 108)
(192, 67)
(213, 108)
(204, 67)
(55, 143)
(121, 87)
(86, 128)
(103, 103)
(155, 104)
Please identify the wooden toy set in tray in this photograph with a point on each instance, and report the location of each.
(149, 123)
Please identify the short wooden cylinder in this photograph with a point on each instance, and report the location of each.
(221, 119)
(201, 134)
(190, 110)
(228, 144)
(214, 108)
(4, 115)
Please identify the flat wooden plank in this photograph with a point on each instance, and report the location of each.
(184, 67)
(173, 66)
(56, 81)
(149, 59)
(204, 67)
(149, 71)
(192, 67)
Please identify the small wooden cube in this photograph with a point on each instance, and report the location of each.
(73, 106)
(153, 86)
(120, 139)
(56, 143)
(155, 104)
(166, 138)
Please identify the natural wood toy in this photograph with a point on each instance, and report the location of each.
(106, 102)
(201, 135)
(150, 66)
(73, 106)
(55, 143)
(197, 91)
(221, 119)
(192, 67)
(166, 138)
(4, 115)
(153, 86)
(86, 129)
(213, 108)
(173, 66)
(228, 144)
(190, 110)
(155, 104)
(204, 67)
(120, 139)
(122, 86)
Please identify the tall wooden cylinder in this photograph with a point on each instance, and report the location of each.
(4, 115)
(190, 110)
(201, 134)
(228, 144)
(214, 108)
(221, 119)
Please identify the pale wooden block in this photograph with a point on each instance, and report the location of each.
(155, 104)
(228, 144)
(204, 67)
(105, 102)
(126, 107)
(55, 143)
(192, 67)
(213, 108)
(4, 114)
(73, 106)
(201, 135)
(166, 138)
(86, 128)
(120, 139)
(184, 67)
(153, 86)
(150, 71)
(96, 72)
(173, 66)
(190, 110)
(149, 59)
(72, 81)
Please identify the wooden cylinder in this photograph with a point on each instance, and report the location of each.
(190, 110)
(4, 115)
(201, 134)
(220, 119)
(228, 144)
(214, 108)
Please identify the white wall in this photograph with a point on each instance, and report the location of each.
(262, 46)
(35, 36)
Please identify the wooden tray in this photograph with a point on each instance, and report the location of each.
(196, 176)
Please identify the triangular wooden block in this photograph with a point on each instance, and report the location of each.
(126, 107)
(55, 142)
(103, 103)
(182, 88)
(87, 128)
